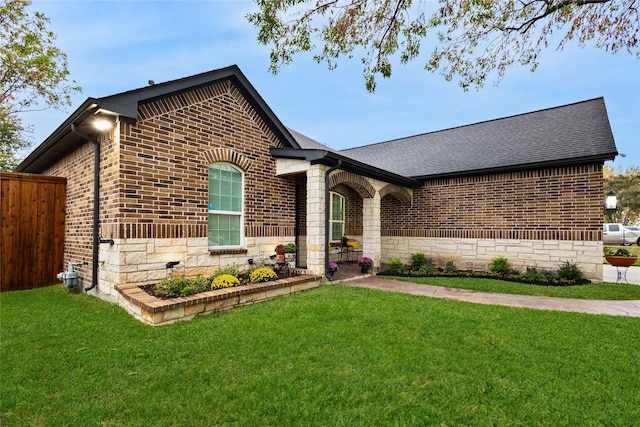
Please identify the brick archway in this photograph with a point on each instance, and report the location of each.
(227, 155)
(398, 192)
(357, 182)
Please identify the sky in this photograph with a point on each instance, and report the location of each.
(116, 46)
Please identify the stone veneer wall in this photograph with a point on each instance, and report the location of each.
(156, 312)
(477, 254)
(143, 261)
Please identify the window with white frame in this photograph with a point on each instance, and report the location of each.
(226, 188)
(336, 221)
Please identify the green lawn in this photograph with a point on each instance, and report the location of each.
(334, 356)
(599, 291)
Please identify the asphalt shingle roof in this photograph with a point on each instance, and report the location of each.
(568, 134)
(307, 143)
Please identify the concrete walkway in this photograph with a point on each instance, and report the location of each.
(612, 308)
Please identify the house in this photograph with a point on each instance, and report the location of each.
(201, 173)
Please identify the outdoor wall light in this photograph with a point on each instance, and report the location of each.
(172, 264)
(611, 201)
(102, 124)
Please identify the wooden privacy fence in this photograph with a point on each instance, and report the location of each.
(32, 215)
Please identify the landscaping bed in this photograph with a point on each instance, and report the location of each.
(517, 278)
(140, 301)
(567, 274)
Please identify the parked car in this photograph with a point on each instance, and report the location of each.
(618, 234)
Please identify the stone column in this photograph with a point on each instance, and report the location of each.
(315, 219)
(371, 239)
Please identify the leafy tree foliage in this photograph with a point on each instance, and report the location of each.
(33, 74)
(11, 141)
(626, 186)
(471, 38)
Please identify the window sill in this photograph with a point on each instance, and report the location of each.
(236, 251)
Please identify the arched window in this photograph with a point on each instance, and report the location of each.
(336, 220)
(226, 188)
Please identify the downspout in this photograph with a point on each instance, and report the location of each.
(297, 221)
(96, 206)
(327, 201)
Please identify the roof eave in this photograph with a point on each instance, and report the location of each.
(329, 158)
(37, 160)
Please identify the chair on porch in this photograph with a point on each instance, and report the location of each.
(350, 249)
(346, 250)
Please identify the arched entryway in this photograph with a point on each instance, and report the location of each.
(362, 216)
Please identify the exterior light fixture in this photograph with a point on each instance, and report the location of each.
(102, 124)
(611, 202)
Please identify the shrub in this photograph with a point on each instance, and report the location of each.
(262, 274)
(450, 267)
(290, 248)
(233, 270)
(532, 275)
(426, 270)
(500, 266)
(173, 287)
(396, 266)
(548, 276)
(169, 288)
(570, 270)
(225, 281)
(417, 261)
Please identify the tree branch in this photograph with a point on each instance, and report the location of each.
(389, 26)
(551, 8)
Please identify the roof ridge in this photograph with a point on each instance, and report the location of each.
(157, 86)
(472, 124)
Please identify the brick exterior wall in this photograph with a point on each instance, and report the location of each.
(535, 218)
(546, 204)
(77, 167)
(154, 181)
(164, 162)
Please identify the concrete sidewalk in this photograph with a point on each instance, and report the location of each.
(612, 308)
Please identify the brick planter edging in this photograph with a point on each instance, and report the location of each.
(155, 311)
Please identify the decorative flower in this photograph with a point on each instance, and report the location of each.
(263, 274)
(365, 261)
(225, 281)
(333, 266)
